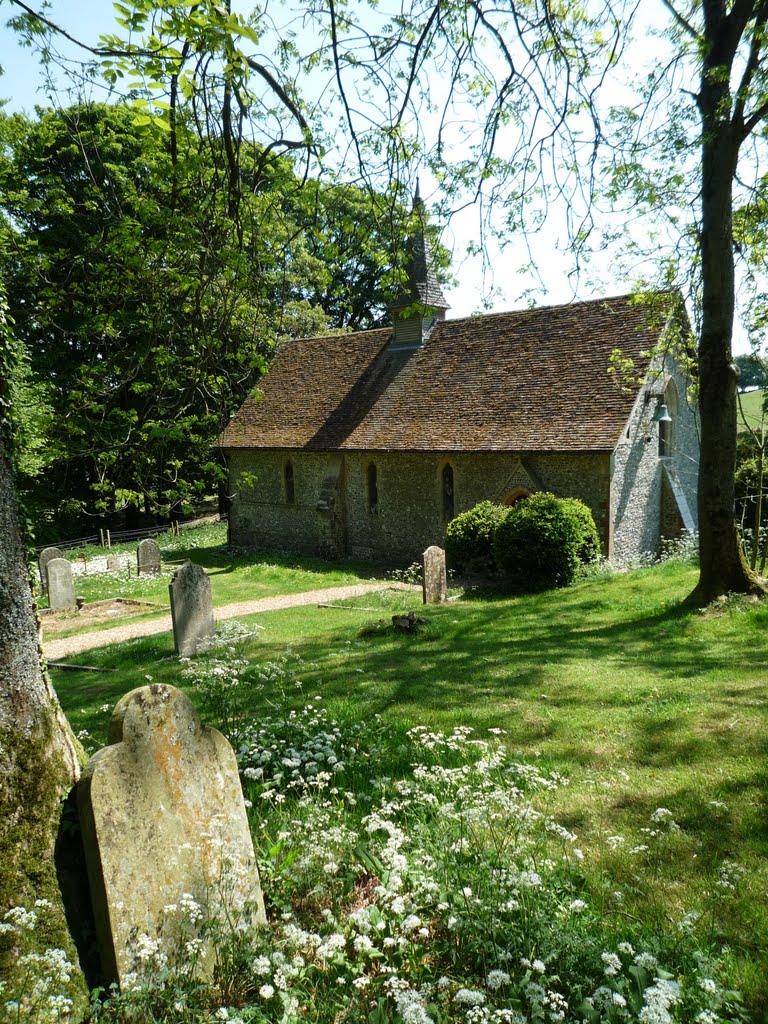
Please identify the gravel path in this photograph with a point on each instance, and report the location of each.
(70, 645)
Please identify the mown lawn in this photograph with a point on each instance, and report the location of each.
(235, 575)
(641, 702)
(750, 409)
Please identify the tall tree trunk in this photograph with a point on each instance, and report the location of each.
(38, 752)
(723, 567)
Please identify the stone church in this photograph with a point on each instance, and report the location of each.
(365, 445)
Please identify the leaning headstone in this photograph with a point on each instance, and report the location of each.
(165, 833)
(47, 555)
(191, 608)
(434, 580)
(114, 563)
(148, 557)
(61, 592)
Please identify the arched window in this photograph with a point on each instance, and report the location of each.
(290, 493)
(373, 488)
(447, 489)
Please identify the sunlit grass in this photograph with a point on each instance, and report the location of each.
(641, 702)
(235, 575)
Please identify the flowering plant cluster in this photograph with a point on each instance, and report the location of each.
(37, 991)
(418, 878)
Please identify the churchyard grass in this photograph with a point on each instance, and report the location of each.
(653, 713)
(750, 408)
(235, 575)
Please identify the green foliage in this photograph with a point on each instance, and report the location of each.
(149, 307)
(469, 537)
(589, 542)
(544, 539)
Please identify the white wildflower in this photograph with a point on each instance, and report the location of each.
(262, 965)
(496, 979)
(469, 997)
(612, 964)
(647, 961)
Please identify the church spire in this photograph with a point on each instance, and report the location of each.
(420, 303)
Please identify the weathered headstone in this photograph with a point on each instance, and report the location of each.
(165, 832)
(434, 579)
(114, 563)
(148, 557)
(61, 592)
(191, 608)
(47, 555)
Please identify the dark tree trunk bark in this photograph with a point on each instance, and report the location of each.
(723, 567)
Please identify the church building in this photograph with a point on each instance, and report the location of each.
(366, 445)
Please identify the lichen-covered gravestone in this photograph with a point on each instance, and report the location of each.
(191, 608)
(47, 555)
(61, 592)
(165, 833)
(148, 557)
(434, 579)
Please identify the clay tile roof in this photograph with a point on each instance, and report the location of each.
(532, 380)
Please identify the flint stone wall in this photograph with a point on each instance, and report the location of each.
(643, 508)
(409, 513)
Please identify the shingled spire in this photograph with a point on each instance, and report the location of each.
(420, 303)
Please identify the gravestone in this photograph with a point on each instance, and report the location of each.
(114, 563)
(47, 555)
(434, 580)
(61, 592)
(191, 608)
(165, 833)
(148, 557)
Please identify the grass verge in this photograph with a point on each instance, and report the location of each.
(641, 703)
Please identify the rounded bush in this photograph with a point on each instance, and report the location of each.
(589, 542)
(469, 537)
(544, 539)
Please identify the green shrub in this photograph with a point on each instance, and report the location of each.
(545, 539)
(469, 537)
(589, 543)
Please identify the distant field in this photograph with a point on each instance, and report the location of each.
(750, 408)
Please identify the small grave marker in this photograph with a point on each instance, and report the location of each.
(191, 608)
(47, 555)
(165, 831)
(434, 579)
(61, 592)
(148, 557)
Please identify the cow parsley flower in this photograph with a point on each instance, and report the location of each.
(612, 964)
(469, 997)
(496, 979)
